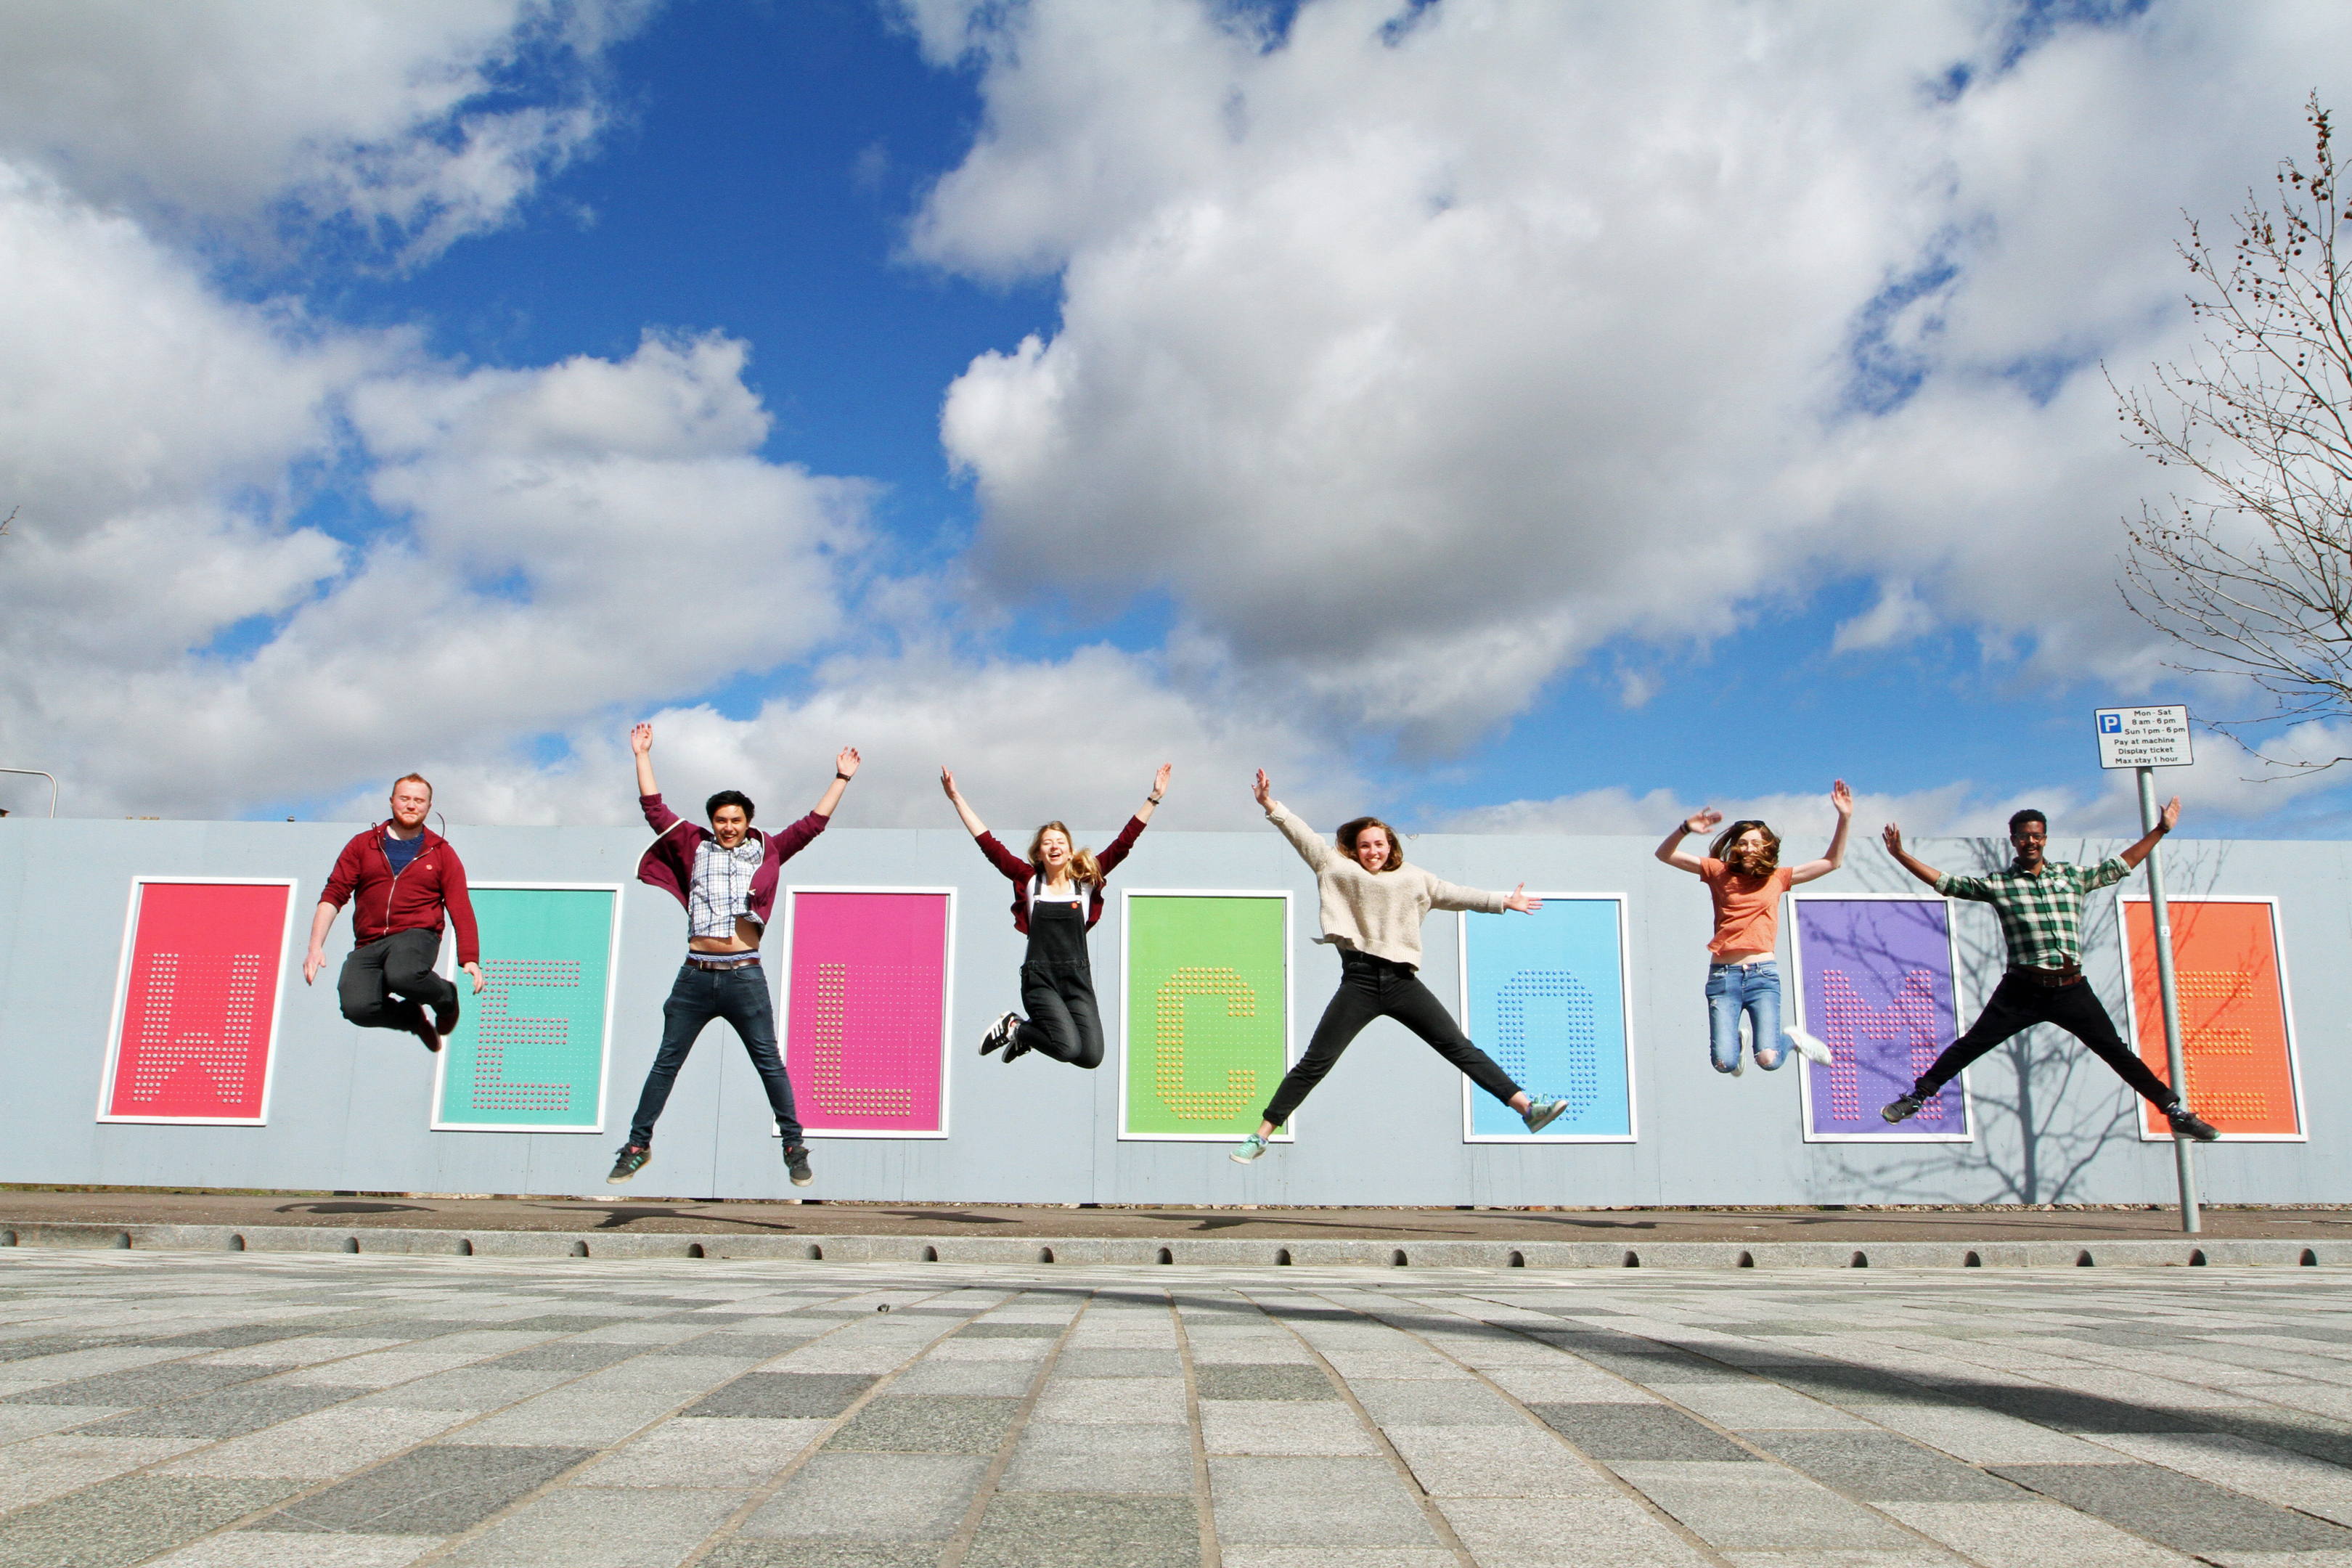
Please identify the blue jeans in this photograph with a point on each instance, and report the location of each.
(1754, 989)
(740, 996)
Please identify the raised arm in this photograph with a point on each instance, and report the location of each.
(844, 768)
(1158, 792)
(1671, 852)
(641, 741)
(1909, 862)
(1841, 798)
(1303, 838)
(972, 821)
(2164, 821)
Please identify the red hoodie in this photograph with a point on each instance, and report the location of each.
(412, 900)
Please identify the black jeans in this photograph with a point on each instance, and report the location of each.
(400, 964)
(738, 996)
(2019, 1001)
(1373, 988)
(1064, 1022)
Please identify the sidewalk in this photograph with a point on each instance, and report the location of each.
(1000, 1233)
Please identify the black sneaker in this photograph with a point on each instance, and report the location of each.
(1902, 1108)
(2189, 1124)
(420, 1024)
(1000, 1033)
(631, 1160)
(796, 1164)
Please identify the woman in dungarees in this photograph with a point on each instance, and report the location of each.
(1057, 897)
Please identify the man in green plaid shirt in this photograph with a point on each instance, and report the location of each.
(2041, 907)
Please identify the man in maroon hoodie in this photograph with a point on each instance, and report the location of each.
(401, 875)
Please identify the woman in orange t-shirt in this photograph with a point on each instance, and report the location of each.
(1743, 871)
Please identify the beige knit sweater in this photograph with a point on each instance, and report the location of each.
(1378, 912)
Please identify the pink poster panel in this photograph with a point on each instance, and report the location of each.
(195, 1015)
(865, 1010)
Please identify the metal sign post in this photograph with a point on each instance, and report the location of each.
(2147, 739)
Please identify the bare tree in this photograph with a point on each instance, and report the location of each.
(2248, 568)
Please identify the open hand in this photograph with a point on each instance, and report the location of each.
(1894, 837)
(1520, 901)
(846, 761)
(312, 961)
(947, 783)
(2169, 814)
(1159, 779)
(641, 739)
(1263, 789)
(475, 971)
(1842, 797)
(1701, 820)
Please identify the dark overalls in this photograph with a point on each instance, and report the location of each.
(1058, 988)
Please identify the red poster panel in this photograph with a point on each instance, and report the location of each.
(2237, 1039)
(196, 1014)
(867, 1008)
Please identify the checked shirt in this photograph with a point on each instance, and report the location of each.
(2041, 915)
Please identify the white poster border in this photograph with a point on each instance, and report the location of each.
(1470, 1092)
(447, 966)
(2286, 1004)
(1792, 1001)
(1126, 1004)
(947, 1010)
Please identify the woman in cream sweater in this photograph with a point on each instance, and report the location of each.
(1372, 906)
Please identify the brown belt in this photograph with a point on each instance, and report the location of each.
(720, 960)
(2052, 978)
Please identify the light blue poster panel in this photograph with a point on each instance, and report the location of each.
(529, 1053)
(1544, 994)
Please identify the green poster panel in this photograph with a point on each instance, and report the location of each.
(1206, 1031)
(529, 1053)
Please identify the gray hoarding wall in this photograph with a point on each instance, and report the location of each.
(350, 1109)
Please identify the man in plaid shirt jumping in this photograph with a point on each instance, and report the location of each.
(2041, 907)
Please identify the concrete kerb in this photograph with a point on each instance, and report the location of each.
(2179, 1252)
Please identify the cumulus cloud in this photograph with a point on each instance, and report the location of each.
(414, 122)
(1466, 339)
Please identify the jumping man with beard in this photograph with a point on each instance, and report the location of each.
(2040, 903)
(1743, 872)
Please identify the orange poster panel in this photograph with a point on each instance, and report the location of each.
(2234, 1037)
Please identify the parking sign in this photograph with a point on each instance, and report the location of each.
(2143, 736)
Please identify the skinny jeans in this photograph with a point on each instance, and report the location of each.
(1057, 987)
(1372, 988)
(740, 996)
(399, 965)
(2019, 1001)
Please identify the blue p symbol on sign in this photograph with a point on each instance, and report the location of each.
(2111, 723)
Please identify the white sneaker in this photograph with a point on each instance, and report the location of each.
(1808, 1047)
(1000, 1033)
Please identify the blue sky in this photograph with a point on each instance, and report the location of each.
(1544, 417)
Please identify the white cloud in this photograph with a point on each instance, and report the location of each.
(1442, 354)
(417, 120)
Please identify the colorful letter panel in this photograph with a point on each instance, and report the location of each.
(866, 1010)
(529, 1052)
(1207, 1032)
(1875, 984)
(1544, 997)
(196, 1016)
(2237, 1042)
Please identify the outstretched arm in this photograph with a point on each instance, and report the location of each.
(1159, 789)
(2164, 821)
(1911, 863)
(1841, 798)
(972, 821)
(844, 768)
(1697, 822)
(641, 741)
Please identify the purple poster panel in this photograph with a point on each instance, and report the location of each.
(1875, 984)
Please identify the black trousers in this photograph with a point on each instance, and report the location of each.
(1373, 988)
(1064, 1022)
(401, 964)
(2019, 1002)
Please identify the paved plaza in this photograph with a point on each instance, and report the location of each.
(256, 1410)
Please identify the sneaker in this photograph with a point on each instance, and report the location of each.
(1740, 1066)
(1015, 1049)
(1000, 1033)
(796, 1164)
(444, 1018)
(2189, 1124)
(1902, 1108)
(1808, 1046)
(1252, 1147)
(420, 1025)
(631, 1160)
(1541, 1113)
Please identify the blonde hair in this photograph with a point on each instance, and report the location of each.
(1082, 861)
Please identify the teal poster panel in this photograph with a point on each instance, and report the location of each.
(1544, 994)
(528, 1053)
